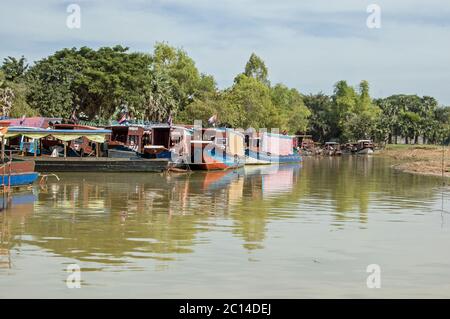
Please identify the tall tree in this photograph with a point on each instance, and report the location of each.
(256, 68)
(13, 68)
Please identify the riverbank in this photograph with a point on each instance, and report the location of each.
(419, 159)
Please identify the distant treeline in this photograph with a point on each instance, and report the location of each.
(95, 85)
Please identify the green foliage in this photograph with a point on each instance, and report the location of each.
(167, 82)
(14, 69)
(14, 94)
(186, 80)
(289, 103)
(252, 99)
(256, 68)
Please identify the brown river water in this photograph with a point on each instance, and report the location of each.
(293, 231)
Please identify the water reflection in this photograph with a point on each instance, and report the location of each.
(116, 219)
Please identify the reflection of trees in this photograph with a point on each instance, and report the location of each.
(112, 218)
(350, 182)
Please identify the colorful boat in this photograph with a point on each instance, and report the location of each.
(17, 173)
(170, 142)
(217, 149)
(14, 172)
(270, 148)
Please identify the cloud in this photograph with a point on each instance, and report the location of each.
(309, 45)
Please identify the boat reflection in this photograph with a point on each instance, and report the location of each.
(113, 219)
(15, 209)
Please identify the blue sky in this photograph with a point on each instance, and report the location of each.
(308, 45)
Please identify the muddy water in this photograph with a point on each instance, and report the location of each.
(292, 231)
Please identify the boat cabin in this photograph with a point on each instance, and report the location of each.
(81, 146)
(168, 141)
(365, 147)
(130, 138)
(217, 149)
(332, 148)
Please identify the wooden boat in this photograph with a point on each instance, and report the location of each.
(14, 172)
(218, 149)
(100, 164)
(269, 148)
(332, 149)
(17, 172)
(365, 147)
(170, 142)
(81, 146)
(127, 141)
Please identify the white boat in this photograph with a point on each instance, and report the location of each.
(365, 147)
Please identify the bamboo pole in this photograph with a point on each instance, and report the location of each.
(3, 149)
(65, 150)
(97, 149)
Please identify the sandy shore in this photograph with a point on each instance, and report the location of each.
(426, 160)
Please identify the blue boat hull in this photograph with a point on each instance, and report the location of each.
(22, 179)
(264, 158)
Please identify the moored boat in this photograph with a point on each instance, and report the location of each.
(332, 149)
(17, 172)
(269, 148)
(14, 172)
(217, 149)
(365, 147)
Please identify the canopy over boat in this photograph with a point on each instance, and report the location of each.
(98, 135)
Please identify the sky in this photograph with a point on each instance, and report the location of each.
(309, 45)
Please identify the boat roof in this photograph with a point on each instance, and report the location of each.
(20, 130)
(36, 122)
(331, 143)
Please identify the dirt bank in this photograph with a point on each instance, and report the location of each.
(425, 160)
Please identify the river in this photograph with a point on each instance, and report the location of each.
(293, 231)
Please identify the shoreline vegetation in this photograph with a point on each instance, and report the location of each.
(419, 159)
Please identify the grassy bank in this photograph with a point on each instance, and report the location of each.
(420, 159)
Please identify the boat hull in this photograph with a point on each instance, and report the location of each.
(255, 158)
(16, 180)
(101, 164)
(365, 151)
(211, 161)
(18, 173)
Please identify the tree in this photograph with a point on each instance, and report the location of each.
(13, 68)
(256, 68)
(320, 124)
(187, 81)
(289, 103)
(6, 96)
(13, 98)
(253, 102)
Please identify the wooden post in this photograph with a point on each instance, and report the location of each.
(65, 150)
(3, 149)
(35, 147)
(97, 149)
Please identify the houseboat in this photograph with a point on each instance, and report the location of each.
(365, 147)
(332, 149)
(84, 164)
(170, 142)
(127, 141)
(216, 149)
(79, 147)
(269, 148)
(14, 172)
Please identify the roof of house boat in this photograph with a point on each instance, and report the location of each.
(32, 130)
